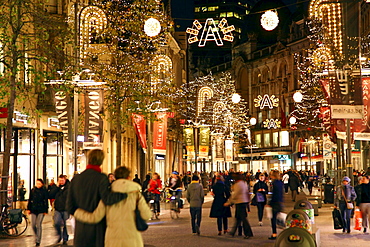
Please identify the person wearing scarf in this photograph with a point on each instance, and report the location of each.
(85, 192)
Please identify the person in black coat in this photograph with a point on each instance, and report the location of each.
(38, 208)
(260, 189)
(85, 192)
(61, 215)
(145, 187)
(221, 195)
(294, 184)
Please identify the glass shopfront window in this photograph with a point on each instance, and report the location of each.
(53, 156)
(266, 140)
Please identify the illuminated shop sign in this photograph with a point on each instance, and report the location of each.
(210, 32)
(266, 101)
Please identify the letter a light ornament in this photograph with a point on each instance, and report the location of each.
(210, 32)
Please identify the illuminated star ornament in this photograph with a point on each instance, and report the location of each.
(152, 27)
(269, 20)
(210, 32)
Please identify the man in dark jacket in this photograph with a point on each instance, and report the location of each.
(85, 192)
(61, 215)
(195, 196)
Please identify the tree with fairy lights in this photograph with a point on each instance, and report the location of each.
(126, 54)
(310, 68)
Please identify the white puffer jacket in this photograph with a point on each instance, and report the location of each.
(121, 226)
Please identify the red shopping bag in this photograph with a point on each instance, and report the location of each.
(358, 219)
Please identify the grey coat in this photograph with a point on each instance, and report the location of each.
(195, 195)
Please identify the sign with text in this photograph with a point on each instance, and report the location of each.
(347, 111)
(160, 133)
(189, 142)
(140, 129)
(204, 134)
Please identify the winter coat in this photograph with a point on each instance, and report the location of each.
(221, 195)
(293, 182)
(195, 194)
(154, 186)
(240, 193)
(121, 226)
(38, 202)
(85, 192)
(349, 193)
(363, 193)
(60, 194)
(261, 185)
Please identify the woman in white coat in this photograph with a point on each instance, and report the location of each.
(121, 226)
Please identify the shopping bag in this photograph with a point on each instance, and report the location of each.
(268, 211)
(337, 219)
(358, 219)
(280, 220)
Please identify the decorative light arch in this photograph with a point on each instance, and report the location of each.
(218, 108)
(331, 15)
(203, 94)
(92, 22)
(162, 68)
(321, 57)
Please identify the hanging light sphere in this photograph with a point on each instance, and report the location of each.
(297, 97)
(292, 120)
(236, 98)
(152, 27)
(269, 20)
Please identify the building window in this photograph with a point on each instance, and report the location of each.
(275, 139)
(284, 138)
(266, 140)
(258, 140)
(197, 9)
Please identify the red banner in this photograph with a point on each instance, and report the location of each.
(160, 133)
(140, 129)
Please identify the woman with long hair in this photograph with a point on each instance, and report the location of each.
(221, 194)
(155, 184)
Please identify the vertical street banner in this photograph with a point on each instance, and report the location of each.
(189, 142)
(63, 108)
(229, 150)
(204, 134)
(219, 149)
(140, 128)
(93, 120)
(160, 133)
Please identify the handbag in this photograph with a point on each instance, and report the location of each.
(141, 224)
(337, 219)
(254, 200)
(268, 212)
(349, 204)
(260, 197)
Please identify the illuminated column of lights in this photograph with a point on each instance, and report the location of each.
(162, 68)
(92, 18)
(317, 9)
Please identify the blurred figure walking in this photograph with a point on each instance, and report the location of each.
(195, 196)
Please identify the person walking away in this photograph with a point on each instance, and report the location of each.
(195, 197)
(174, 183)
(137, 179)
(310, 185)
(293, 184)
(240, 197)
(345, 194)
(286, 182)
(22, 202)
(121, 219)
(221, 195)
(155, 184)
(363, 201)
(38, 207)
(85, 192)
(276, 202)
(51, 186)
(260, 190)
(60, 212)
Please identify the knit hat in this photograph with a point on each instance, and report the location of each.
(346, 179)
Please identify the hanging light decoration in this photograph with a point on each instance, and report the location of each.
(152, 27)
(270, 20)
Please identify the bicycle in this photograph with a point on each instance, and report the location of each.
(175, 203)
(12, 221)
(153, 207)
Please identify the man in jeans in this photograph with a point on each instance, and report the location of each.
(60, 212)
(195, 196)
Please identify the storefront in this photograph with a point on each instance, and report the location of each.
(53, 164)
